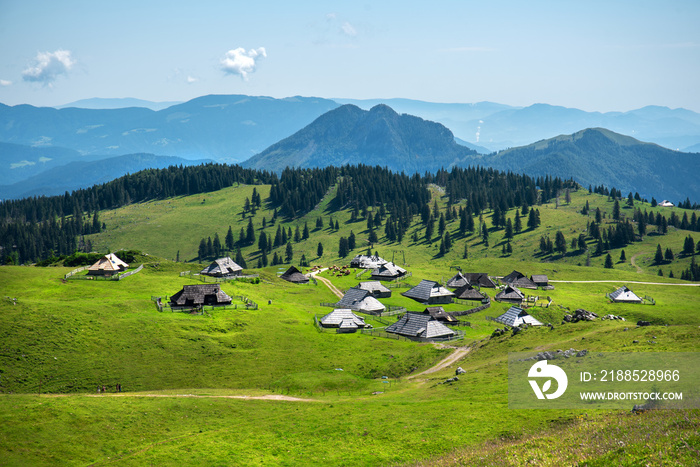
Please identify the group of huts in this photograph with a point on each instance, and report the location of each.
(199, 295)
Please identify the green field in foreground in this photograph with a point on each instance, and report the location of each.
(64, 338)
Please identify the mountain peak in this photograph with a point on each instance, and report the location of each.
(350, 135)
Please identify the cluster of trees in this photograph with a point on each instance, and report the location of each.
(33, 229)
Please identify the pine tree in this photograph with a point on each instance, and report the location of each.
(289, 253)
(485, 234)
(263, 259)
(351, 241)
(608, 262)
(217, 245)
(305, 234)
(250, 232)
(202, 250)
(319, 250)
(262, 242)
(229, 239)
(659, 256)
(297, 235)
(210, 248)
(622, 256)
(616, 211)
(448, 241)
(560, 242)
(343, 247)
(509, 229)
(239, 259)
(465, 255)
(668, 255)
(518, 223)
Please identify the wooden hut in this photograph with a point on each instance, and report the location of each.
(200, 295)
(467, 292)
(361, 300)
(540, 280)
(429, 293)
(388, 272)
(344, 320)
(480, 279)
(222, 267)
(107, 265)
(294, 275)
(520, 280)
(419, 326)
(516, 316)
(375, 288)
(457, 281)
(439, 313)
(367, 262)
(510, 294)
(625, 295)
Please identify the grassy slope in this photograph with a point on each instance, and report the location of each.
(71, 337)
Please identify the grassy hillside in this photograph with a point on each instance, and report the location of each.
(63, 339)
(165, 227)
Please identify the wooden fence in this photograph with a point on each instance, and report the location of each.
(205, 278)
(473, 310)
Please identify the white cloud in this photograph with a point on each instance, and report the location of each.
(4, 82)
(239, 62)
(348, 29)
(48, 66)
(191, 79)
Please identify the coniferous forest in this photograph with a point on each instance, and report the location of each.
(34, 229)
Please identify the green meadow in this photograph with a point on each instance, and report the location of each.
(352, 400)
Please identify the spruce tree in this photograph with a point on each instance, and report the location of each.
(608, 262)
(289, 253)
(239, 259)
(319, 250)
(229, 239)
(659, 256)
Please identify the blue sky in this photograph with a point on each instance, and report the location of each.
(593, 55)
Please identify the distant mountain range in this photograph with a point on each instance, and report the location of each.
(82, 174)
(118, 103)
(379, 136)
(497, 126)
(598, 156)
(225, 128)
(302, 131)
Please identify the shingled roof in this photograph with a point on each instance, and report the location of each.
(429, 292)
(388, 271)
(342, 318)
(519, 280)
(294, 275)
(480, 278)
(516, 316)
(510, 294)
(375, 288)
(222, 267)
(624, 294)
(107, 265)
(458, 280)
(200, 294)
(467, 292)
(540, 279)
(367, 262)
(360, 300)
(439, 313)
(419, 325)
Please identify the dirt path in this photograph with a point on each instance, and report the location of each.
(328, 283)
(459, 353)
(633, 263)
(696, 284)
(268, 397)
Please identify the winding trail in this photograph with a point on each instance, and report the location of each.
(328, 283)
(634, 263)
(459, 353)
